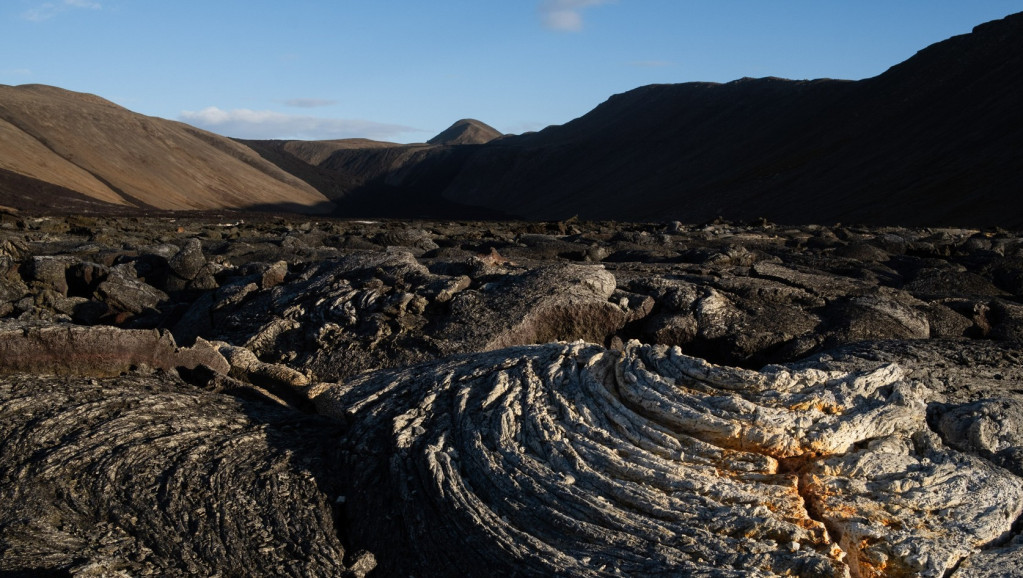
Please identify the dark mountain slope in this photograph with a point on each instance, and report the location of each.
(654, 152)
(380, 179)
(935, 140)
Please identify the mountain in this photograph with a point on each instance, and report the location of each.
(368, 178)
(466, 131)
(68, 151)
(934, 140)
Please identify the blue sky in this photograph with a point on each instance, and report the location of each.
(403, 70)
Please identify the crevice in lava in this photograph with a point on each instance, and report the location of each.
(798, 466)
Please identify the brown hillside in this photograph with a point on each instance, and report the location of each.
(82, 143)
(466, 131)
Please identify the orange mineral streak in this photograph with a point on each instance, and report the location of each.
(867, 564)
(816, 404)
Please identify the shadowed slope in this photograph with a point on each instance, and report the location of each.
(932, 141)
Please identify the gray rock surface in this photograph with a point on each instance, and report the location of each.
(842, 400)
(147, 475)
(573, 459)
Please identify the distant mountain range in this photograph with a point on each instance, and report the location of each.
(936, 140)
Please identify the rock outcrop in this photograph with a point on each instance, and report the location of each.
(575, 460)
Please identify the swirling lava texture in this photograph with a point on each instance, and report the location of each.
(145, 475)
(570, 459)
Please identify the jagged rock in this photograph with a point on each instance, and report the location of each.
(945, 323)
(575, 460)
(50, 271)
(206, 279)
(247, 367)
(412, 238)
(550, 303)
(549, 247)
(880, 316)
(855, 469)
(187, 263)
(825, 286)
(671, 294)
(99, 351)
(863, 252)
(371, 310)
(948, 282)
(13, 249)
(273, 275)
(123, 292)
(443, 290)
(912, 507)
(335, 319)
(12, 287)
(147, 475)
(999, 562)
(990, 428)
(671, 329)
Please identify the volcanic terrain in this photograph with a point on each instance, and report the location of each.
(413, 383)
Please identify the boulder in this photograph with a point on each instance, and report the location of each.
(125, 293)
(551, 303)
(50, 272)
(12, 287)
(990, 428)
(187, 263)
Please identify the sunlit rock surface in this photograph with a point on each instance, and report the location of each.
(573, 459)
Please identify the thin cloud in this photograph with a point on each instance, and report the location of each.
(267, 124)
(566, 15)
(48, 10)
(309, 102)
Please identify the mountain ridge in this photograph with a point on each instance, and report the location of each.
(931, 141)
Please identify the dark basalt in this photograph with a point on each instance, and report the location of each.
(532, 398)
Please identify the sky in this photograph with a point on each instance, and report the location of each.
(404, 70)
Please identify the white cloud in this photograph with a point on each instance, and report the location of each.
(48, 10)
(565, 15)
(267, 124)
(309, 102)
